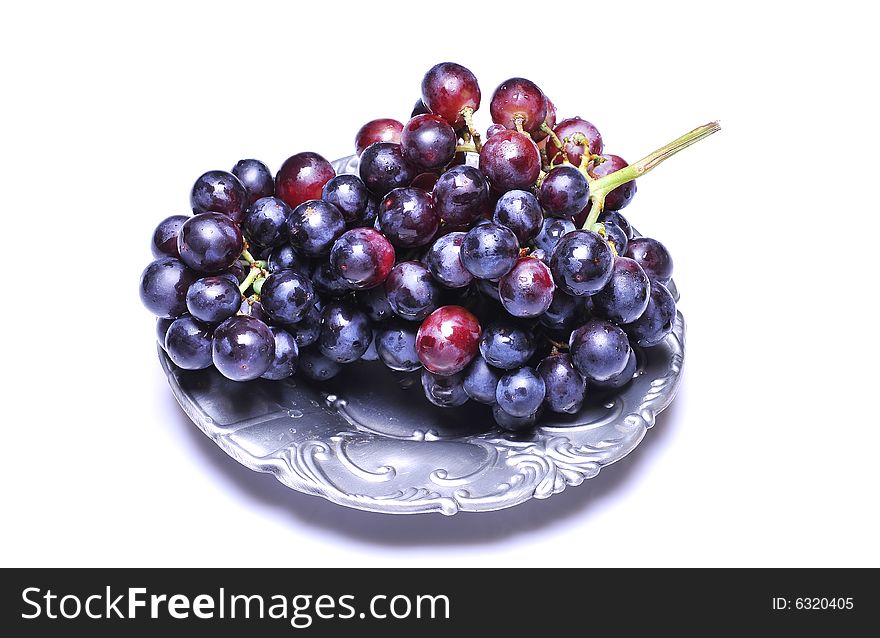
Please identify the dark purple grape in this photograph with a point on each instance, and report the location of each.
(564, 384)
(265, 222)
(345, 332)
(374, 302)
(287, 295)
(489, 289)
(619, 380)
(286, 355)
(428, 142)
(412, 292)
(513, 423)
(363, 257)
(520, 392)
(396, 346)
(165, 236)
(370, 215)
(564, 192)
(567, 131)
(243, 348)
(444, 391)
(163, 287)
(582, 263)
(519, 100)
(599, 350)
(256, 178)
(381, 130)
(565, 312)
(302, 177)
(507, 345)
(444, 261)
(313, 226)
(618, 220)
(237, 272)
(315, 366)
(419, 108)
(349, 194)
(552, 230)
(489, 250)
(520, 212)
(219, 192)
(656, 322)
(461, 195)
(624, 298)
(383, 168)
(407, 217)
(527, 290)
(307, 330)
(449, 88)
(213, 299)
(209, 242)
(162, 325)
(481, 380)
(188, 343)
(286, 257)
(328, 282)
(652, 256)
(510, 160)
(621, 196)
(615, 235)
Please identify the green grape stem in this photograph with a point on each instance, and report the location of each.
(251, 276)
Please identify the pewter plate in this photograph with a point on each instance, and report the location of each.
(368, 439)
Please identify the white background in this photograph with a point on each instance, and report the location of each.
(767, 457)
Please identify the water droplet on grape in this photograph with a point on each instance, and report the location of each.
(609, 405)
(294, 414)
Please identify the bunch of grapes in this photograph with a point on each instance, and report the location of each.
(501, 269)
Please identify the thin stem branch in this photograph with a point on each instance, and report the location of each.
(251, 276)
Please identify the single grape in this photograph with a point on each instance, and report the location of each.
(209, 242)
(363, 257)
(163, 287)
(265, 222)
(286, 355)
(513, 423)
(448, 89)
(481, 381)
(652, 256)
(396, 346)
(582, 263)
(315, 366)
(552, 230)
(520, 212)
(407, 217)
(412, 292)
(616, 218)
(489, 250)
(286, 257)
(287, 296)
(550, 120)
(381, 130)
(461, 195)
(165, 236)
(162, 325)
(493, 130)
(527, 290)
(565, 311)
(256, 178)
(567, 131)
(564, 384)
(243, 348)
(345, 332)
(374, 301)
(444, 391)
(614, 234)
(448, 340)
(383, 168)
(327, 281)
(599, 350)
(188, 343)
(428, 142)
(507, 345)
(419, 108)
(444, 261)
(619, 380)
(237, 272)
(518, 100)
(307, 330)
(564, 192)
(349, 194)
(302, 177)
(510, 160)
(219, 192)
(656, 322)
(621, 196)
(520, 392)
(313, 226)
(213, 299)
(624, 298)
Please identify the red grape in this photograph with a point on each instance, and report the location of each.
(448, 340)
(448, 89)
(510, 160)
(302, 177)
(518, 99)
(568, 128)
(382, 130)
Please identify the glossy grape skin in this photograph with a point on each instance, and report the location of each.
(349, 194)
(494, 129)
(236, 272)
(428, 142)
(518, 98)
(618, 381)
(582, 263)
(507, 345)
(461, 195)
(520, 212)
(599, 349)
(624, 298)
(327, 281)
(444, 261)
(481, 381)
(565, 386)
(489, 251)
(565, 311)
(550, 120)
(315, 366)
(383, 168)
(302, 177)
(448, 340)
(412, 292)
(513, 423)
(621, 196)
(564, 192)
(285, 358)
(396, 346)
(307, 330)
(520, 392)
(345, 332)
(511, 161)
(616, 218)
(374, 301)
(243, 348)
(381, 130)
(568, 128)
(213, 299)
(551, 231)
(616, 235)
(419, 108)
(285, 257)
(407, 217)
(444, 391)
(219, 192)
(287, 295)
(656, 321)
(188, 343)
(265, 222)
(163, 287)
(447, 89)
(313, 226)
(256, 178)
(165, 236)
(652, 256)
(209, 242)
(363, 257)
(527, 290)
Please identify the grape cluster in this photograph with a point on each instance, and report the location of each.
(494, 265)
